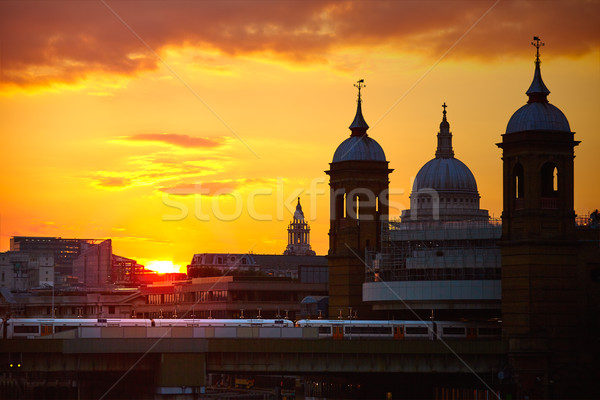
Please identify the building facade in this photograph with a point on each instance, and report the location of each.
(22, 271)
(93, 267)
(63, 250)
(227, 297)
(267, 265)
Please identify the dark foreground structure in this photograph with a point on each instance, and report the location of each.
(121, 364)
(550, 266)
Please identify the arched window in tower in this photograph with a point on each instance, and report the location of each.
(345, 205)
(549, 180)
(518, 183)
(357, 206)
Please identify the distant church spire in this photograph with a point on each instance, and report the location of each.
(298, 235)
(444, 147)
(537, 92)
(359, 125)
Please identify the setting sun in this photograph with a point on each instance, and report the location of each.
(163, 267)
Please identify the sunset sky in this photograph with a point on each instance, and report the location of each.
(186, 127)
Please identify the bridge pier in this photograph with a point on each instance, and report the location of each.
(180, 376)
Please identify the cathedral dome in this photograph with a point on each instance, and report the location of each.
(538, 113)
(359, 146)
(444, 188)
(445, 175)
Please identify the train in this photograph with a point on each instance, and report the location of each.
(400, 330)
(30, 328)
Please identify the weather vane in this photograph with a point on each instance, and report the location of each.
(360, 84)
(537, 43)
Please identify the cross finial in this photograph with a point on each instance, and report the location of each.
(360, 84)
(444, 112)
(537, 43)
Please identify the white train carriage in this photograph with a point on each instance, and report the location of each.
(240, 322)
(401, 330)
(29, 328)
(348, 329)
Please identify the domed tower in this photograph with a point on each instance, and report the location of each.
(298, 235)
(358, 207)
(538, 245)
(538, 153)
(444, 188)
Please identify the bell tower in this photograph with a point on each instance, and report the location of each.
(539, 244)
(298, 235)
(358, 207)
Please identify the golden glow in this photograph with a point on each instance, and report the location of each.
(107, 141)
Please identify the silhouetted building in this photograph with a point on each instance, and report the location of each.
(127, 272)
(274, 265)
(93, 267)
(443, 257)
(359, 206)
(64, 251)
(444, 188)
(550, 298)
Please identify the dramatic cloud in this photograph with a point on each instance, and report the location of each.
(64, 41)
(148, 171)
(177, 140)
(211, 188)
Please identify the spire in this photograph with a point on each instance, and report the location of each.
(444, 136)
(299, 214)
(537, 92)
(359, 125)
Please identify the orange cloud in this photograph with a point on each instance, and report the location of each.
(211, 188)
(177, 140)
(116, 182)
(52, 41)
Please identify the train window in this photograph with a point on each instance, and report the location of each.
(26, 329)
(325, 329)
(417, 330)
(453, 330)
(369, 330)
(489, 331)
(62, 328)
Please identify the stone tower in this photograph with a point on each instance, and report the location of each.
(358, 207)
(541, 273)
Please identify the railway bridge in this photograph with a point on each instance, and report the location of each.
(118, 365)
